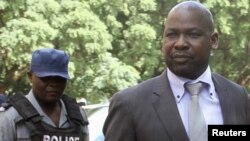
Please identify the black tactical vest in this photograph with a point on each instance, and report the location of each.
(40, 131)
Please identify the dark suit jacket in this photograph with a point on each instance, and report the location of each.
(148, 111)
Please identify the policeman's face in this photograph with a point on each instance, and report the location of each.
(47, 89)
(188, 39)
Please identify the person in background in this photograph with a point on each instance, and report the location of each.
(157, 109)
(45, 113)
(3, 98)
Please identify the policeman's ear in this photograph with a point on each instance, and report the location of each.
(29, 76)
(214, 40)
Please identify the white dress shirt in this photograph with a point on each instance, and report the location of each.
(208, 98)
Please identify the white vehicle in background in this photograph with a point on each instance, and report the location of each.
(97, 114)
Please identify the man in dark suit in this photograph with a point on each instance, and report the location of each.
(157, 109)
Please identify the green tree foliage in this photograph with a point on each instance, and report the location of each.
(233, 24)
(69, 25)
(113, 44)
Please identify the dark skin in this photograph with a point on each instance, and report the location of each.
(48, 92)
(188, 40)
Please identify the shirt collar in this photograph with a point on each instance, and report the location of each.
(177, 83)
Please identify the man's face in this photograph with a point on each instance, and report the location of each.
(47, 89)
(187, 42)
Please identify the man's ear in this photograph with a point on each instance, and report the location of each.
(214, 40)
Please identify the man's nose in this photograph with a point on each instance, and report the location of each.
(181, 42)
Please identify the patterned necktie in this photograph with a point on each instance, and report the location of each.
(197, 123)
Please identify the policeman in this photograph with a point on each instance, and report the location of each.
(45, 113)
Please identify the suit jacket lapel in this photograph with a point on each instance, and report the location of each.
(166, 109)
(227, 106)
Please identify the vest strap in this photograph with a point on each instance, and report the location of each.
(73, 109)
(24, 108)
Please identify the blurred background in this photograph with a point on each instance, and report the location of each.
(112, 44)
